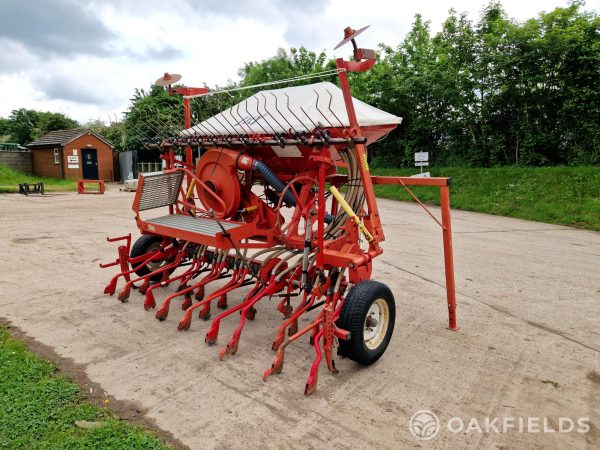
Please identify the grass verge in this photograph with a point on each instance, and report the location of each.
(38, 409)
(10, 180)
(558, 195)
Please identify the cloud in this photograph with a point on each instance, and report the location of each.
(86, 57)
(68, 88)
(201, 13)
(166, 53)
(55, 27)
(15, 57)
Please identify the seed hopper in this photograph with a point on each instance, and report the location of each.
(274, 197)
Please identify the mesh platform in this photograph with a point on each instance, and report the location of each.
(160, 190)
(204, 226)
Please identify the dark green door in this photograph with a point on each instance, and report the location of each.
(90, 164)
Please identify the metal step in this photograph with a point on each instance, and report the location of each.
(200, 225)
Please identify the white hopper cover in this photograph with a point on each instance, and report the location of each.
(267, 112)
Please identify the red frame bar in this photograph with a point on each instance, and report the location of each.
(444, 185)
(185, 92)
(374, 227)
(448, 256)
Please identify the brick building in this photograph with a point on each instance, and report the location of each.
(75, 154)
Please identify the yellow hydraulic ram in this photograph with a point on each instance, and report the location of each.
(190, 190)
(346, 207)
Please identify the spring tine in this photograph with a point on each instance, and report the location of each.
(186, 133)
(221, 123)
(200, 124)
(152, 130)
(235, 132)
(261, 117)
(144, 135)
(321, 112)
(233, 125)
(294, 114)
(149, 123)
(315, 125)
(277, 109)
(256, 121)
(270, 115)
(205, 128)
(241, 120)
(207, 122)
(174, 124)
(130, 124)
(208, 134)
(267, 112)
(334, 114)
(166, 125)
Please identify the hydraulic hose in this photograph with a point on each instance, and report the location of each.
(274, 181)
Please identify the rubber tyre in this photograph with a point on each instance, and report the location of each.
(352, 318)
(140, 247)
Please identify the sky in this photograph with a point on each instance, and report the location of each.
(85, 58)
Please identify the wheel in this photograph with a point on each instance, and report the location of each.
(369, 314)
(147, 243)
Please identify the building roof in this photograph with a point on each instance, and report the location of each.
(63, 137)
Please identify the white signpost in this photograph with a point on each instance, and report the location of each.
(422, 160)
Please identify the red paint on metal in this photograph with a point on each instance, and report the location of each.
(81, 186)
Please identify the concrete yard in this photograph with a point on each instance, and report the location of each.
(528, 346)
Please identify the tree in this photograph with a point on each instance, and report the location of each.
(26, 125)
(113, 132)
(49, 121)
(456, 66)
(23, 124)
(484, 92)
(155, 115)
(404, 82)
(4, 130)
(96, 125)
(497, 92)
(286, 65)
(572, 52)
(152, 117)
